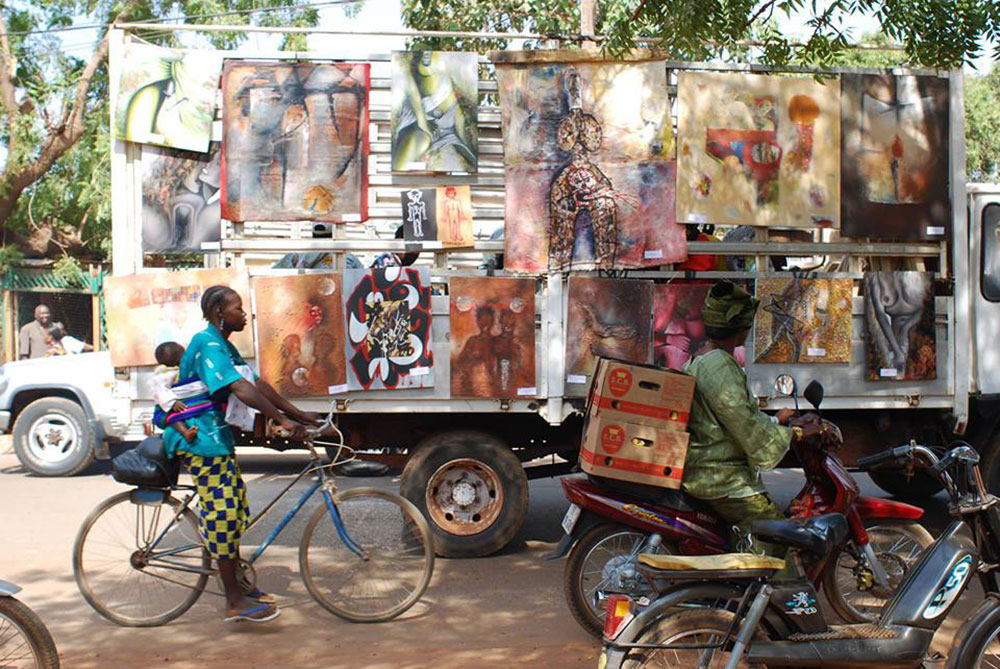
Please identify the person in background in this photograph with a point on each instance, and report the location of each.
(33, 337)
(62, 343)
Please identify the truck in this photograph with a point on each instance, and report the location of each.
(467, 462)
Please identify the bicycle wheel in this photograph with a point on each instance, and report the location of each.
(396, 563)
(25, 642)
(128, 580)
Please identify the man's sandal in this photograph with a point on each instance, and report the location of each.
(260, 613)
(259, 595)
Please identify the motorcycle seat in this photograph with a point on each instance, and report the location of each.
(701, 563)
(818, 535)
(673, 499)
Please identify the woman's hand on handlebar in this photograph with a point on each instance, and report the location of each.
(311, 418)
(295, 430)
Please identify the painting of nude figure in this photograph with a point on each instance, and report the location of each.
(678, 331)
(899, 324)
(608, 318)
(492, 337)
(300, 323)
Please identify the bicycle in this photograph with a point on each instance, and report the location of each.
(140, 567)
(25, 642)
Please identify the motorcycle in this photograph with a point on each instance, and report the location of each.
(763, 611)
(610, 523)
(25, 642)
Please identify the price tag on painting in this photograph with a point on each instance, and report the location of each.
(816, 352)
(888, 372)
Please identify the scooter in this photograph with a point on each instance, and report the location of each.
(763, 611)
(24, 639)
(609, 523)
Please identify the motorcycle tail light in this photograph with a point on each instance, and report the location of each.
(618, 613)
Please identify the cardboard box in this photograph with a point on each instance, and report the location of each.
(633, 452)
(641, 394)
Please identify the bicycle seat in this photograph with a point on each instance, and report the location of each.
(818, 535)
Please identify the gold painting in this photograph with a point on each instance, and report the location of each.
(803, 320)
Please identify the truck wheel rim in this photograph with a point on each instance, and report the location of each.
(52, 438)
(464, 497)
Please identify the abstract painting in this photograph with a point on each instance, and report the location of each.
(803, 320)
(607, 318)
(435, 102)
(588, 155)
(300, 330)
(295, 141)
(678, 331)
(492, 337)
(388, 341)
(757, 149)
(167, 97)
(181, 200)
(899, 326)
(145, 310)
(895, 157)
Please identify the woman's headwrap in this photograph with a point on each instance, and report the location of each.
(729, 306)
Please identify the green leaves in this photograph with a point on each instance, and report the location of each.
(982, 126)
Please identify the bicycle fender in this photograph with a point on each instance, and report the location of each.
(8, 589)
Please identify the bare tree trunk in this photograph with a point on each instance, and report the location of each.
(588, 9)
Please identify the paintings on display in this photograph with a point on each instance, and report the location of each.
(899, 326)
(492, 337)
(435, 102)
(167, 96)
(588, 154)
(803, 320)
(895, 156)
(181, 199)
(146, 310)
(388, 340)
(300, 323)
(295, 141)
(758, 149)
(438, 214)
(607, 318)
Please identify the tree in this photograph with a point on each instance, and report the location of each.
(982, 126)
(54, 143)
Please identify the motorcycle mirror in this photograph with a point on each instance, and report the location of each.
(814, 393)
(784, 386)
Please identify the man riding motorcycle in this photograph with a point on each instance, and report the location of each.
(732, 440)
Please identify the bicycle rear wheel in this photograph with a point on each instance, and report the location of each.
(126, 578)
(25, 642)
(395, 566)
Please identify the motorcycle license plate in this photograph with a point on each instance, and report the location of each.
(569, 520)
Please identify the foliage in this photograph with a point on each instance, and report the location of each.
(69, 269)
(982, 126)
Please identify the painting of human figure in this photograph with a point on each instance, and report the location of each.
(435, 103)
(300, 330)
(588, 159)
(608, 318)
(295, 141)
(388, 339)
(167, 96)
(803, 320)
(899, 326)
(146, 310)
(419, 214)
(756, 149)
(678, 330)
(492, 337)
(438, 214)
(895, 156)
(181, 199)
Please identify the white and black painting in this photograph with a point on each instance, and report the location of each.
(181, 204)
(419, 214)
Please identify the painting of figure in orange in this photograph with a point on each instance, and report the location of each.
(492, 337)
(454, 216)
(300, 321)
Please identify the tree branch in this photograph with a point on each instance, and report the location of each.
(8, 98)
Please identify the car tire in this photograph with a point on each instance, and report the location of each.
(52, 437)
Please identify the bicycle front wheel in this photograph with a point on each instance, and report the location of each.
(138, 567)
(396, 561)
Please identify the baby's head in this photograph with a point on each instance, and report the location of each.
(56, 331)
(169, 353)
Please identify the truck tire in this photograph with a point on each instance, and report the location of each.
(896, 482)
(53, 438)
(471, 488)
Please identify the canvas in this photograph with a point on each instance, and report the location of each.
(167, 96)
(899, 326)
(419, 214)
(145, 310)
(757, 149)
(441, 214)
(388, 341)
(435, 103)
(608, 318)
(295, 141)
(588, 156)
(678, 330)
(181, 203)
(300, 329)
(803, 320)
(895, 157)
(492, 337)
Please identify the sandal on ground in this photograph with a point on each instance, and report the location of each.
(259, 595)
(260, 613)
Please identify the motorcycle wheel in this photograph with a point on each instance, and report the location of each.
(691, 627)
(898, 545)
(592, 569)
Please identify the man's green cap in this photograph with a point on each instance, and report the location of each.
(729, 306)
